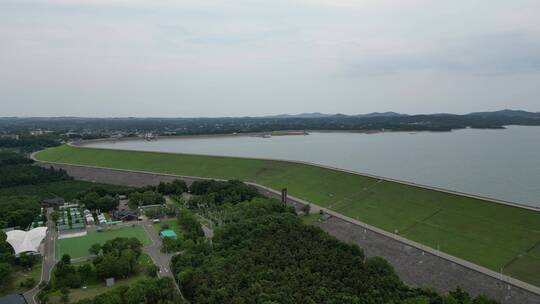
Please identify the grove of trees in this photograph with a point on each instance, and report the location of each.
(145, 198)
(93, 201)
(211, 193)
(175, 187)
(262, 253)
(117, 258)
(18, 211)
(151, 291)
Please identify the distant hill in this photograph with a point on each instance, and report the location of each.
(383, 114)
(507, 113)
(104, 127)
(302, 115)
(321, 115)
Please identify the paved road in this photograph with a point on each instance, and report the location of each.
(162, 260)
(48, 261)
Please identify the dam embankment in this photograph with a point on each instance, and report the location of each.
(416, 264)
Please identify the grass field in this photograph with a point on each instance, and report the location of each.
(78, 246)
(492, 235)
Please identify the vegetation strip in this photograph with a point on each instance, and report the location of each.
(479, 231)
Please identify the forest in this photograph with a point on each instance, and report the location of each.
(15, 170)
(262, 253)
(28, 144)
(152, 290)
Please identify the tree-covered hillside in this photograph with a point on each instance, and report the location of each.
(264, 254)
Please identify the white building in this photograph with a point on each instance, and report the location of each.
(26, 241)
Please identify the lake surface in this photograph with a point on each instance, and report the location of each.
(502, 164)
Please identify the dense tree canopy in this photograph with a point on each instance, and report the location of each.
(18, 211)
(190, 225)
(29, 144)
(117, 258)
(12, 158)
(68, 275)
(212, 193)
(145, 198)
(6, 252)
(19, 175)
(104, 190)
(93, 201)
(150, 291)
(264, 254)
(175, 187)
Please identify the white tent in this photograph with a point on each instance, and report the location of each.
(26, 241)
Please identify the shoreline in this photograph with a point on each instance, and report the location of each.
(83, 144)
(257, 134)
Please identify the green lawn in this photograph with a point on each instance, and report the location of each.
(311, 218)
(489, 234)
(78, 246)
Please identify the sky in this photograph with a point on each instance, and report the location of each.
(162, 58)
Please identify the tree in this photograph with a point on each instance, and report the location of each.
(5, 274)
(129, 258)
(117, 245)
(108, 267)
(152, 270)
(107, 203)
(137, 199)
(175, 187)
(95, 249)
(306, 209)
(90, 200)
(190, 225)
(18, 211)
(6, 252)
(154, 212)
(86, 272)
(171, 245)
(27, 260)
(66, 259)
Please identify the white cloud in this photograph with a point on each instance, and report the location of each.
(172, 58)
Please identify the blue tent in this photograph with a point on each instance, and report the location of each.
(167, 233)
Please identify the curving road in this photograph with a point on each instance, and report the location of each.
(48, 260)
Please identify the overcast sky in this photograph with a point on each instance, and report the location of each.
(257, 57)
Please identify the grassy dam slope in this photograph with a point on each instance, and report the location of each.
(492, 235)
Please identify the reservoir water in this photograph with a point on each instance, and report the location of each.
(501, 164)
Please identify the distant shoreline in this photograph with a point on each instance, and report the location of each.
(85, 142)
